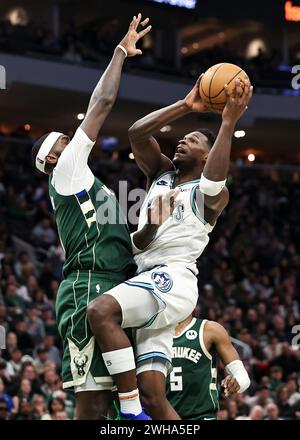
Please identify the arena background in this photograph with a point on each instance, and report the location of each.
(53, 53)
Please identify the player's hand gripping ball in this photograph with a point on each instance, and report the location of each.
(211, 88)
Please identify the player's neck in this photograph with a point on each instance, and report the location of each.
(183, 176)
(182, 325)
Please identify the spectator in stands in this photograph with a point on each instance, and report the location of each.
(232, 409)
(43, 234)
(4, 410)
(5, 396)
(276, 375)
(41, 360)
(272, 411)
(25, 341)
(23, 394)
(14, 365)
(243, 408)
(261, 398)
(29, 372)
(51, 383)
(222, 413)
(256, 413)
(3, 317)
(40, 410)
(35, 325)
(14, 303)
(25, 410)
(293, 389)
(24, 267)
(282, 398)
(11, 342)
(53, 352)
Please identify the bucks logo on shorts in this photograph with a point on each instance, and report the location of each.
(162, 281)
(80, 362)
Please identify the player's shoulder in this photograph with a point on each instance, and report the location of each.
(161, 178)
(215, 330)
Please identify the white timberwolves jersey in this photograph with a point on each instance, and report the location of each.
(184, 235)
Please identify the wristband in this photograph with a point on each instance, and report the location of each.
(123, 49)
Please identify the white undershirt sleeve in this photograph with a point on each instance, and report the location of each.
(135, 250)
(72, 173)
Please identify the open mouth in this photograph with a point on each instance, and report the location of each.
(180, 150)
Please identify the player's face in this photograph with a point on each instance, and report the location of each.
(57, 149)
(60, 145)
(191, 150)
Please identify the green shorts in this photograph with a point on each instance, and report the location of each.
(81, 354)
(202, 416)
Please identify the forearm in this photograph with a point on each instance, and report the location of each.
(153, 122)
(107, 88)
(217, 164)
(141, 239)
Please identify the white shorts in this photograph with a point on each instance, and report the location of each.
(153, 303)
(91, 385)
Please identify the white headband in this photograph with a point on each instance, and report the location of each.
(45, 149)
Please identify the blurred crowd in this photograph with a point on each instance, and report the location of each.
(248, 282)
(94, 44)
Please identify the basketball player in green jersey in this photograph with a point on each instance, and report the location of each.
(98, 251)
(192, 384)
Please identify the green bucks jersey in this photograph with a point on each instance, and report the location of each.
(192, 385)
(93, 231)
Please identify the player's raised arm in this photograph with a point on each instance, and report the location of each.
(145, 147)
(237, 380)
(105, 93)
(214, 175)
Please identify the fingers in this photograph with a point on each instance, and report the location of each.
(132, 24)
(144, 22)
(226, 91)
(144, 31)
(170, 199)
(173, 193)
(238, 89)
(137, 20)
(231, 385)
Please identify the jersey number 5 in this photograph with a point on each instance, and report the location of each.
(176, 379)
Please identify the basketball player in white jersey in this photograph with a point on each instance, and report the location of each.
(165, 290)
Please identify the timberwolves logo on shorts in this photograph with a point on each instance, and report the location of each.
(162, 281)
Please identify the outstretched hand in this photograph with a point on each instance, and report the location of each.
(193, 99)
(133, 36)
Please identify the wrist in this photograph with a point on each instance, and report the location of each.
(122, 49)
(186, 106)
(228, 123)
(151, 228)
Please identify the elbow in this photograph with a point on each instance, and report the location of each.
(134, 132)
(103, 102)
(106, 103)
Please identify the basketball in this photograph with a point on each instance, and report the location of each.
(212, 90)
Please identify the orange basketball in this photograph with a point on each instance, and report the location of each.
(212, 84)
